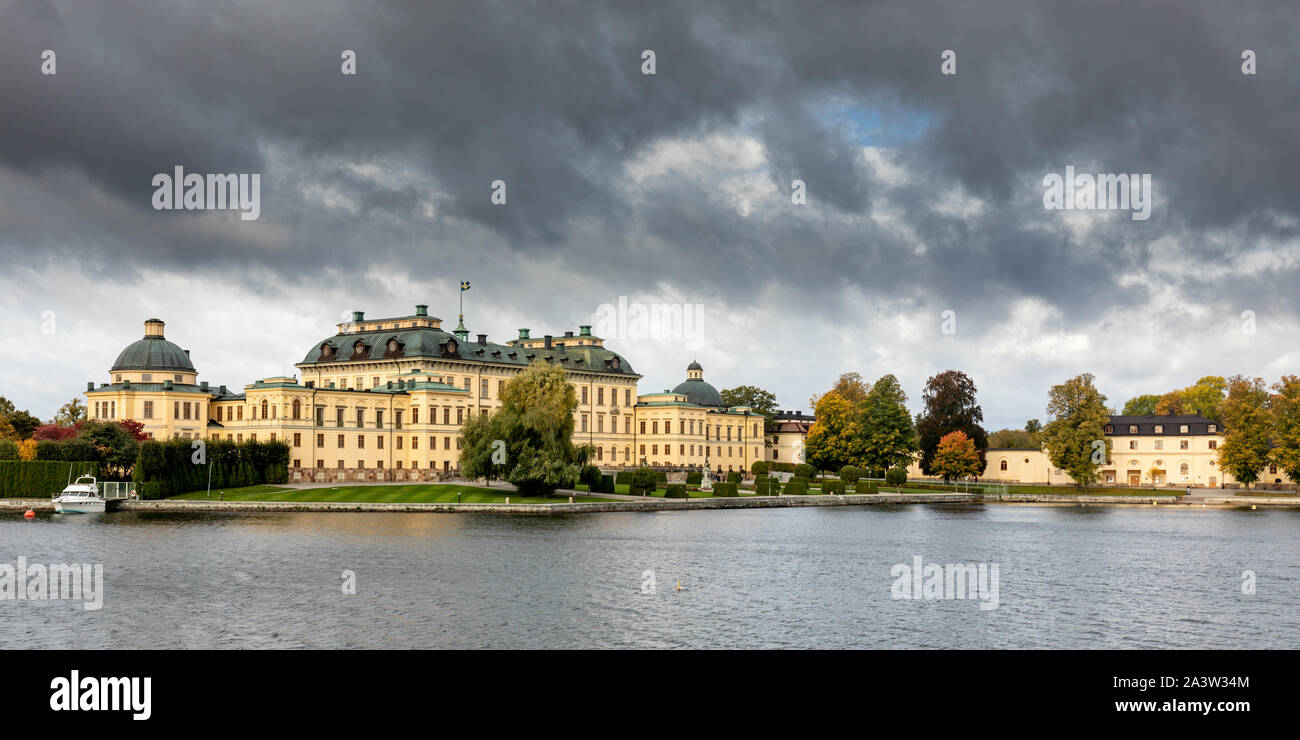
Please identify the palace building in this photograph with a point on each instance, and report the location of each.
(384, 399)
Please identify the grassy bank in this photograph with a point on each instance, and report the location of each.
(427, 493)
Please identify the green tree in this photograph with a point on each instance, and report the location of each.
(1205, 396)
(535, 426)
(956, 457)
(1247, 429)
(1078, 416)
(116, 448)
(70, 413)
(1033, 426)
(1286, 425)
(886, 437)
(1012, 439)
(23, 424)
(1143, 405)
(754, 397)
(949, 407)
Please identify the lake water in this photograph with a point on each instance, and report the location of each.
(1095, 577)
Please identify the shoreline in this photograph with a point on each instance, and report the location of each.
(660, 504)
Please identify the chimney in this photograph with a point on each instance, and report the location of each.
(358, 315)
(90, 386)
(126, 383)
(548, 341)
(153, 328)
(203, 386)
(222, 389)
(421, 309)
(187, 353)
(523, 333)
(390, 385)
(568, 335)
(584, 330)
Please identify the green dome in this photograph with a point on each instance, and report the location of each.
(699, 392)
(694, 366)
(153, 353)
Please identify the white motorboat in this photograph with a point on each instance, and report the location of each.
(81, 497)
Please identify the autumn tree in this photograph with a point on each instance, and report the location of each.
(956, 457)
(1204, 397)
(949, 407)
(1170, 403)
(850, 386)
(831, 440)
(1286, 425)
(1075, 433)
(1247, 429)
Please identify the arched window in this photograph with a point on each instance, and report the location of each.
(1004, 465)
(600, 453)
(627, 454)
(297, 409)
(1182, 470)
(264, 408)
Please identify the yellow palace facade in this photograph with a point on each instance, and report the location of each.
(384, 399)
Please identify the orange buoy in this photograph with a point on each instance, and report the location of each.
(29, 514)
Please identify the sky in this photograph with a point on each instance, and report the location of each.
(922, 243)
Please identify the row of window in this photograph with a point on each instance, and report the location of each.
(379, 464)
(148, 378)
(1160, 428)
(1159, 444)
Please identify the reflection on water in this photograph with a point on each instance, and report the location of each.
(809, 577)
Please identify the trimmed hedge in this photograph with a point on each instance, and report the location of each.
(734, 476)
(694, 479)
(661, 476)
(726, 490)
(796, 487)
(867, 486)
(40, 478)
(676, 490)
(606, 484)
(780, 467)
(765, 486)
(758, 468)
(230, 465)
(804, 470)
(591, 476)
(896, 476)
(850, 474)
(833, 487)
(8, 449)
(623, 477)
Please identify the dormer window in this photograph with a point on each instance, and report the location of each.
(1213, 428)
(1132, 428)
(1110, 429)
(1160, 428)
(1182, 429)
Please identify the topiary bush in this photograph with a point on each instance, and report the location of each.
(804, 470)
(675, 490)
(643, 482)
(694, 479)
(661, 476)
(833, 487)
(773, 487)
(606, 484)
(758, 468)
(734, 476)
(896, 476)
(796, 487)
(867, 486)
(623, 477)
(591, 476)
(850, 474)
(726, 490)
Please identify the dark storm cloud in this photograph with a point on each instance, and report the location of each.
(549, 97)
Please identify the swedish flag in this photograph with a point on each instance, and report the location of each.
(464, 285)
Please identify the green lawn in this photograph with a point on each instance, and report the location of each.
(1274, 494)
(427, 493)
